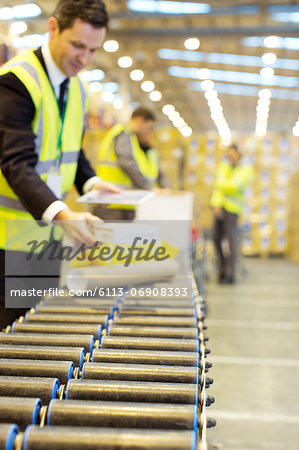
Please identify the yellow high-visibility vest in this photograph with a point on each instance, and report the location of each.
(110, 170)
(57, 144)
(230, 185)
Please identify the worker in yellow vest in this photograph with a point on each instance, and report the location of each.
(42, 111)
(227, 200)
(127, 159)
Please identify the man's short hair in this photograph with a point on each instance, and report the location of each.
(145, 113)
(90, 11)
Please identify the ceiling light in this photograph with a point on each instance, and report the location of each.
(95, 86)
(118, 103)
(179, 122)
(168, 109)
(186, 131)
(203, 74)
(125, 61)
(264, 93)
(207, 85)
(18, 27)
(136, 75)
(211, 95)
(20, 11)
(30, 40)
(148, 86)
(168, 7)
(267, 72)
(174, 115)
(271, 41)
(192, 43)
(107, 96)
(93, 75)
(111, 46)
(155, 96)
(269, 58)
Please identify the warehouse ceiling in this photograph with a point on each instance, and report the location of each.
(232, 43)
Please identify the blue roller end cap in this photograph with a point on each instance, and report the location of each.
(71, 370)
(36, 411)
(91, 343)
(55, 388)
(11, 436)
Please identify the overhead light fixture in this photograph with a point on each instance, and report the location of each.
(107, 97)
(95, 86)
(269, 58)
(20, 11)
(93, 75)
(137, 75)
(267, 72)
(174, 115)
(207, 85)
(168, 7)
(155, 96)
(30, 40)
(125, 62)
(271, 41)
(186, 131)
(18, 28)
(148, 86)
(203, 74)
(168, 109)
(111, 46)
(264, 93)
(192, 43)
(118, 103)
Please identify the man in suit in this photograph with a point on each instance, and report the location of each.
(42, 111)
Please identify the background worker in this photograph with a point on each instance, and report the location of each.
(42, 111)
(127, 159)
(227, 199)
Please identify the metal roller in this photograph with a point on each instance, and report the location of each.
(71, 438)
(55, 340)
(8, 434)
(154, 311)
(132, 391)
(79, 319)
(161, 332)
(162, 321)
(122, 415)
(80, 301)
(20, 411)
(159, 303)
(171, 297)
(73, 309)
(56, 328)
(44, 388)
(145, 343)
(63, 370)
(140, 372)
(146, 357)
(34, 352)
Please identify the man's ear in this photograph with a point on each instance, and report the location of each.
(53, 27)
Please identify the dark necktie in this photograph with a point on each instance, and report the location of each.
(63, 95)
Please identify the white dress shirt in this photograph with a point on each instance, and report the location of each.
(56, 77)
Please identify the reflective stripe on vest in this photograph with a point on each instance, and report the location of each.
(46, 126)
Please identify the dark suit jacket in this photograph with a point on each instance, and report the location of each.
(17, 148)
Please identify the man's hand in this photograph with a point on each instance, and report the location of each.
(106, 187)
(77, 226)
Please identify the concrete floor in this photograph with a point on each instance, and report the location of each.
(253, 328)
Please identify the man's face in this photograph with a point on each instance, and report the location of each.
(233, 155)
(144, 130)
(73, 48)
